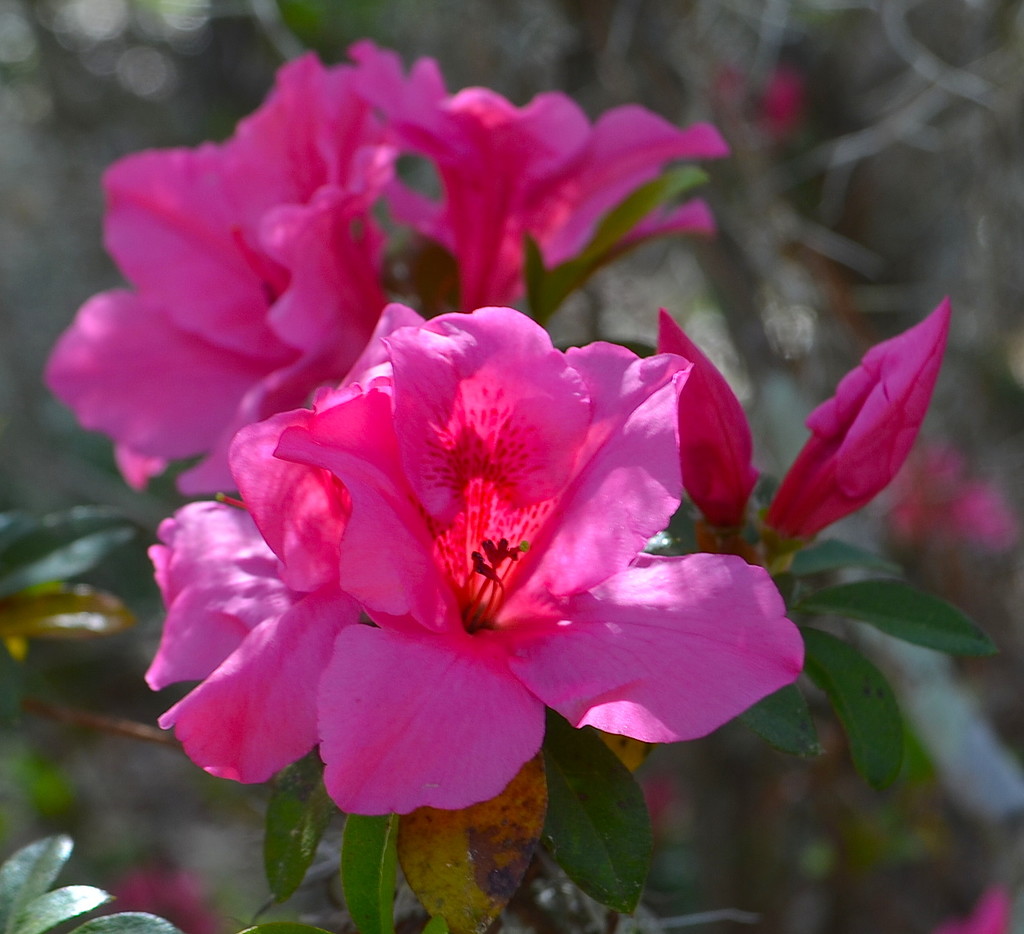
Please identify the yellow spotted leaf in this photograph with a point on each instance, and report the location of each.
(632, 753)
(465, 865)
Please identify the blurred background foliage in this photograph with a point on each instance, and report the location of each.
(878, 164)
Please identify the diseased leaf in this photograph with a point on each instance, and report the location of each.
(297, 816)
(52, 908)
(597, 828)
(369, 860)
(465, 865)
(783, 720)
(632, 753)
(138, 922)
(863, 701)
(28, 874)
(903, 612)
(65, 612)
(832, 555)
(61, 546)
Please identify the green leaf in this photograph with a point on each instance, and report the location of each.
(61, 546)
(53, 908)
(369, 861)
(863, 701)
(282, 927)
(597, 827)
(297, 816)
(833, 555)
(436, 925)
(901, 611)
(783, 720)
(28, 874)
(135, 922)
(547, 289)
(65, 612)
(13, 525)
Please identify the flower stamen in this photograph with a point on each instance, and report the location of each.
(488, 595)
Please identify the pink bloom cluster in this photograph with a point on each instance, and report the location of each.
(256, 264)
(439, 549)
(859, 438)
(934, 498)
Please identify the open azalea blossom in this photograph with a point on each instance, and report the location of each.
(863, 434)
(715, 445)
(509, 171)
(446, 546)
(255, 273)
(990, 916)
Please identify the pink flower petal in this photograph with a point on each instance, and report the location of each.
(668, 649)
(992, 915)
(219, 580)
(257, 712)
(407, 722)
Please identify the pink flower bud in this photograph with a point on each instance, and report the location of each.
(862, 435)
(715, 446)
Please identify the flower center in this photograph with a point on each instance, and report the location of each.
(485, 584)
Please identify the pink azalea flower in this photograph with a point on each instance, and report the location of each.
(862, 435)
(174, 894)
(507, 171)
(714, 436)
(934, 498)
(483, 500)
(990, 916)
(255, 267)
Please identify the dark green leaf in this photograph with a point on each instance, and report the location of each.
(135, 922)
(53, 908)
(369, 861)
(863, 701)
(597, 827)
(13, 525)
(28, 874)
(297, 815)
(901, 611)
(12, 684)
(783, 720)
(61, 546)
(832, 555)
(65, 612)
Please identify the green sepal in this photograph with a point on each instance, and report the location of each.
(597, 826)
(863, 701)
(899, 610)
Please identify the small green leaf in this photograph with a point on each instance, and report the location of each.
(297, 816)
(61, 546)
(863, 701)
(833, 555)
(903, 612)
(28, 874)
(65, 612)
(134, 922)
(783, 720)
(369, 860)
(597, 827)
(436, 925)
(53, 908)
